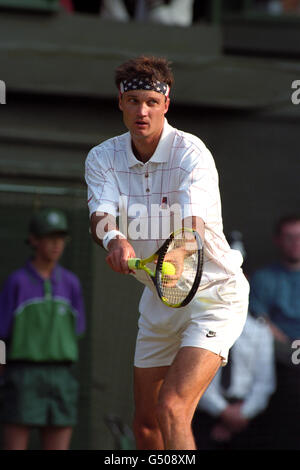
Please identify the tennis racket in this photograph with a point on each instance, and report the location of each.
(176, 268)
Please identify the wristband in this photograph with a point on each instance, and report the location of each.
(109, 236)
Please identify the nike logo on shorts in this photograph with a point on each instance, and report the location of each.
(211, 334)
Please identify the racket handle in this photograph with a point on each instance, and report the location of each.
(133, 263)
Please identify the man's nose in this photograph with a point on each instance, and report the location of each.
(142, 110)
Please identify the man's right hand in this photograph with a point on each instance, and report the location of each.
(220, 433)
(278, 334)
(119, 251)
(233, 418)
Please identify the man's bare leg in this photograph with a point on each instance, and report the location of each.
(166, 399)
(147, 384)
(15, 436)
(184, 384)
(56, 438)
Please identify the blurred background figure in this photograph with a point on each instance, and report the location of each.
(168, 12)
(236, 242)
(274, 294)
(67, 5)
(227, 416)
(277, 7)
(114, 10)
(173, 12)
(290, 6)
(41, 317)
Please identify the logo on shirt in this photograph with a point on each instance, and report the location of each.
(164, 202)
(62, 310)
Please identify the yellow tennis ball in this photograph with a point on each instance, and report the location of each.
(168, 269)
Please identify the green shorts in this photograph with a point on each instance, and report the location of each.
(39, 395)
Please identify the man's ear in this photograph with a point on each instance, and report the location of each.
(167, 104)
(120, 102)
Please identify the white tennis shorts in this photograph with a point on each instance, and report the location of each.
(213, 320)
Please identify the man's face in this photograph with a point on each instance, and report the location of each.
(143, 113)
(49, 248)
(288, 242)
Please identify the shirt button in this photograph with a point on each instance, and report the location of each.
(147, 190)
(146, 175)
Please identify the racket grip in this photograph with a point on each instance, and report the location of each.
(133, 263)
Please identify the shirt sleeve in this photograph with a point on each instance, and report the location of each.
(78, 306)
(264, 381)
(7, 307)
(103, 193)
(198, 193)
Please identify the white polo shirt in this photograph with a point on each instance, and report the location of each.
(181, 174)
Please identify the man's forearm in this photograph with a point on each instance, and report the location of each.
(278, 334)
(101, 224)
(195, 223)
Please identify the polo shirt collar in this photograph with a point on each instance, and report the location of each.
(35, 273)
(162, 151)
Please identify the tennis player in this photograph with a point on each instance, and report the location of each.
(154, 165)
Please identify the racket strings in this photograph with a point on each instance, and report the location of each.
(183, 254)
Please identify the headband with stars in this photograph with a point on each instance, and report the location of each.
(144, 84)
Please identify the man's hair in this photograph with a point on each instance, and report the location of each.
(286, 219)
(153, 68)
